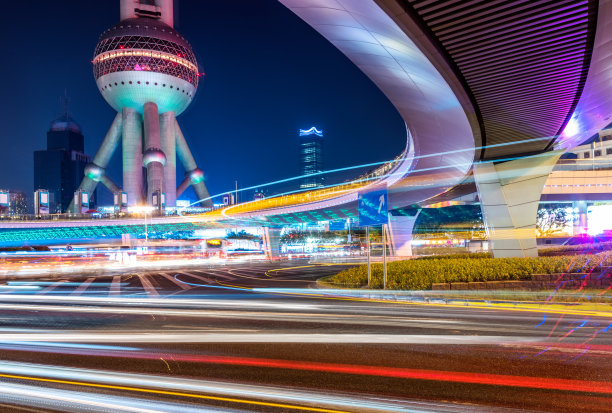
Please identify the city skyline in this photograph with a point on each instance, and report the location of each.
(251, 149)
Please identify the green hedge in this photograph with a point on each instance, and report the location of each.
(576, 249)
(420, 274)
(474, 255)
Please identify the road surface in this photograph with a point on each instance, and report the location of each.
(204, 339)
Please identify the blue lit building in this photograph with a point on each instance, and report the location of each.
(311, 158)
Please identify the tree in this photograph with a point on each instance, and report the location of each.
(551, 221)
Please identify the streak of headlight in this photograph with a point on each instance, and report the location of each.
(153, 336)
(130, 301)
(548, 383)
(226, 389)
(574, 329)
(543, 321)
(66, 400)
(280, 181)
(71, 345)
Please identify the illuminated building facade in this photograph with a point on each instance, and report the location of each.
(311, 158)
(148, 73)
(60, 167)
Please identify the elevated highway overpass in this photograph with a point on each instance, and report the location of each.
(490, 91)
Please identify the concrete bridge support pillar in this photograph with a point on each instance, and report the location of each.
(400, 234)
(580, 224)
(271, 242)
(509, 195)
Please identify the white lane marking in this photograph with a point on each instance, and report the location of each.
(115, 288)
(147, 285)
(83, 286)
(51, 287)
(216, 274)
(206, 280)
(171, 278)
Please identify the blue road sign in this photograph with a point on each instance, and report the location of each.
(373, 208)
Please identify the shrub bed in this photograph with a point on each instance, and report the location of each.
(576, 249)
(420, 274)
(474, 255)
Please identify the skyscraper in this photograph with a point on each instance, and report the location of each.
(60, 167)
(311, 158)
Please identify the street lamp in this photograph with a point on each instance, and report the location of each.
(144, 209)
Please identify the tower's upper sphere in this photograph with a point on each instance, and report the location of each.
(144, 60)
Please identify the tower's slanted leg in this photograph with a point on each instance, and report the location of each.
(193, 174)
(400, 233)
(132, 155)
(509, 195)
(153, 157)
(95, 171)
(168, 146)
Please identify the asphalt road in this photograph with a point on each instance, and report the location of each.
(204, 340)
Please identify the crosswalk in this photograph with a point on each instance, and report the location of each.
(156, 284)
(152, 285)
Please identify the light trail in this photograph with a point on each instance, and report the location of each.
(371, 164)
(154, 336)
(229, 392)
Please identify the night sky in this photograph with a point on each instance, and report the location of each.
(268, 74)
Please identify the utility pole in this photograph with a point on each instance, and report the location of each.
(368, 247)
(384, 242)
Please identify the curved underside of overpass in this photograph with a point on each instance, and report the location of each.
(476, 81)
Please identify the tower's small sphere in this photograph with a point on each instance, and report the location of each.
(141, 60)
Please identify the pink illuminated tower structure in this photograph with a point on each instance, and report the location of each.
(148, 73)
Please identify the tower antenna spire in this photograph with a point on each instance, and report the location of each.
(65, 102)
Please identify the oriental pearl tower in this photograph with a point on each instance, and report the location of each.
(148, 73)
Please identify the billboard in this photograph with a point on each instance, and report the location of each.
(4, 199)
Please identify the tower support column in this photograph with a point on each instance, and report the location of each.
(400, 234)
(168, 146)
(509, 195)
(132, 155)
(153, 157)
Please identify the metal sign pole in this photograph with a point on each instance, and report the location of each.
(384, 242)
(368, 247)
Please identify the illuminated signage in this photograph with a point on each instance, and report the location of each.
(311, 131)
(4, 198)
(44, 199)
(599, 219)
(124, 199)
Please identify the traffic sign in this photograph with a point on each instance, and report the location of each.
(373, 208)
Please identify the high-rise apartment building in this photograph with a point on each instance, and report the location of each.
(311, 158)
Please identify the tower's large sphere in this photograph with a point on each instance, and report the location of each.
(141, 60)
